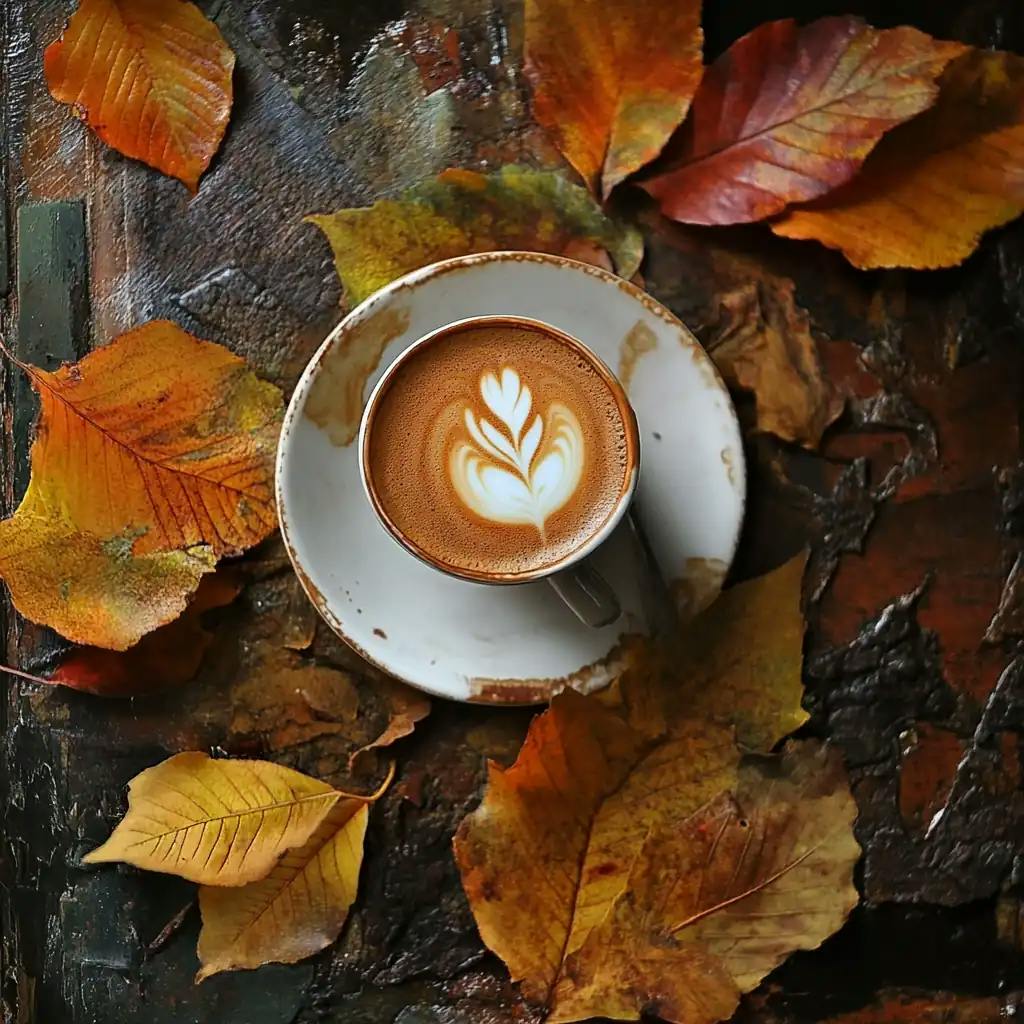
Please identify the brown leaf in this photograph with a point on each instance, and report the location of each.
(931, 189)
(406, 707)
(558, 833)
(153, 456)
(166, 658)
(789, 113)
(611, 81)
(463, 212)
(152, 78)
(714, 904)
(762, 343)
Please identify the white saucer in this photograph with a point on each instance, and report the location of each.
(518, 644)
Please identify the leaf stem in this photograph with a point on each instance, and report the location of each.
(378, 793)
(26, 675)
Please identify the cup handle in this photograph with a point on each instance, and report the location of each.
(587, 593)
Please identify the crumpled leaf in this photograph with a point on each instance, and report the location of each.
(301, 905)
(406, 707)
(297, 910)
(930, 190)
(715, 904)
(152, 78)
(168, 657)
(463, 212)
(789, 113)
(558, 834)
(215, 822)
(612, 81)
(153, 456)
(762, 343)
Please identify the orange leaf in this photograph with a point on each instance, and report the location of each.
(170, 656)
(152, 78)
(789, 113)
(611, 81)
(154, 455)
(934, 187)
(406, 707)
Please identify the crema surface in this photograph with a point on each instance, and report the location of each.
(498, 450)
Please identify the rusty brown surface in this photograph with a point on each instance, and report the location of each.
(913, 511)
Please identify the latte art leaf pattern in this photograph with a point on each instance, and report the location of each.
(517, 475)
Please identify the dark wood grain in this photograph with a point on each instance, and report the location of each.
(914, 512)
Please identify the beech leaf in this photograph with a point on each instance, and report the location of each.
(153, 456)
(714, 904)
(611, 81)
(215, 822)
(152, 78)
(933, 187)
(462, 212)
(788, 113)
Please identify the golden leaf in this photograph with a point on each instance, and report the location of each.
(152, 78)
(153, 456)
(464, 212)
(215, 822)
(299, 908)
(933, 187)
(611, 81)
(715, 904)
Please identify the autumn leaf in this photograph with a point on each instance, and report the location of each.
(152, 78)
(406, 707)
(168, 657)
(932, 188)
(215, 822)
(153, 456)
(301, 905)
(558, 833)
(463, 212)
(611, 81)
(788, 113)
(714, 904)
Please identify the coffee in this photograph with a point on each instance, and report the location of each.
(497, 449)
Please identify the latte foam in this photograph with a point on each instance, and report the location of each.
(498, 449)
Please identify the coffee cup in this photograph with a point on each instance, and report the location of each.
(501, 450)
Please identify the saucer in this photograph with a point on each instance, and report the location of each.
(509, 644)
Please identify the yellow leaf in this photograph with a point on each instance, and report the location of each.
(153, 456)
(152, 78)
(932, 188)
(612, 80)
(715, 904)
(297, 909)
(463, 212)
(215, 822)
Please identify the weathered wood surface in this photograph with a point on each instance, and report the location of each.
(914, 511)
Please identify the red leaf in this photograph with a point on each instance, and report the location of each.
(789, 113)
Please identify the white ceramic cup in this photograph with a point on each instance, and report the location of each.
(574, 578)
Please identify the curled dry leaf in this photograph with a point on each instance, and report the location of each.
(559, 833)
(153, 456)
(762, 343)
(215, 822)
(789, 113)
(715, 903)
(932, 188)
(406, 707)
(301, 905)
(152, 78)
(463, 212)
(611, 81)
(168, 657)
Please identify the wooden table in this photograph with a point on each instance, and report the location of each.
(914, 511)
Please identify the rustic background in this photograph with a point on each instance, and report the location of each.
(914, 511)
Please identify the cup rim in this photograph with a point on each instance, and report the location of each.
(629, 422)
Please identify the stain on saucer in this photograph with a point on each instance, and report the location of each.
(639, 340)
